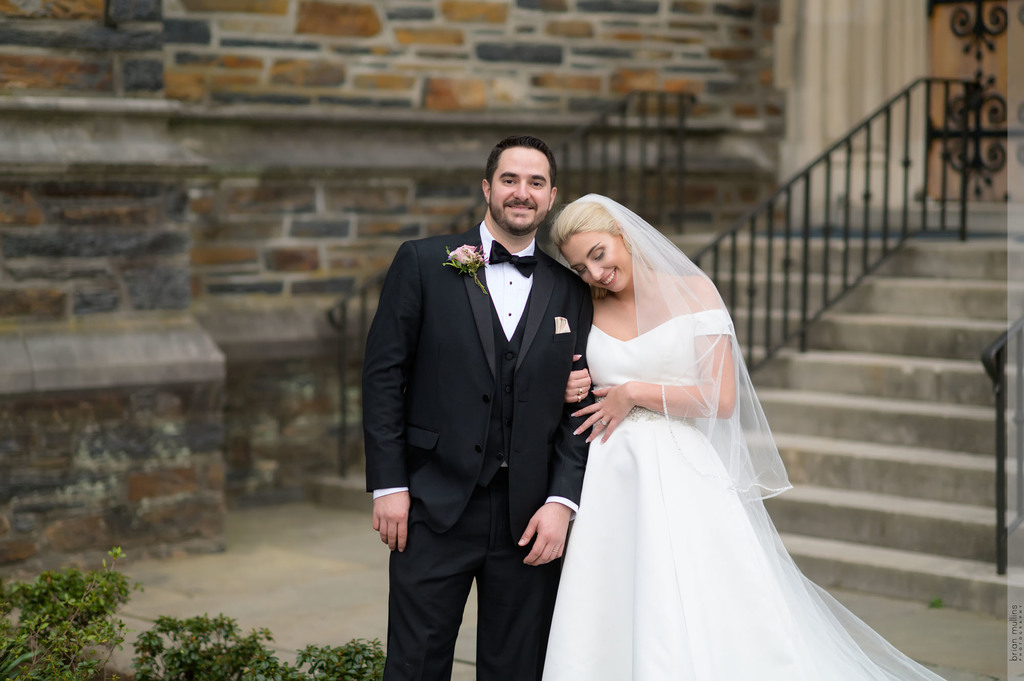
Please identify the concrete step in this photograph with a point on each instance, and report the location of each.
(957, 428)
(834, 258)
(912, 472)
(959, 583)
(973, 259)
(944, 337)
(903, 296)
(933, 527)
(777, 287)
(950, 381)
(925, 256)
(929, 297)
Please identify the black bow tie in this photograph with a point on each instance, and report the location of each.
(523, 263)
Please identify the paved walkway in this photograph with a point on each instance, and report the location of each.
(317, 575)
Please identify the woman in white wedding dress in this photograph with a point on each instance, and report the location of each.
(673, 569)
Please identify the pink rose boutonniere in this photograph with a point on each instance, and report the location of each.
(468, 260)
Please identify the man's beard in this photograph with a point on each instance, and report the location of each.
(516, 229)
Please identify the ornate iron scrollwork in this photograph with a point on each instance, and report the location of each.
(976, 29)
(982, 111)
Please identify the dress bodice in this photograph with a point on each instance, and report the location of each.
(665, 354)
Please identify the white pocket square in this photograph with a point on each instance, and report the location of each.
(561, 325)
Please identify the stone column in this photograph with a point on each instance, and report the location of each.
(837, 61)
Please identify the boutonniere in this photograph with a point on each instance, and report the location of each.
(468, 260)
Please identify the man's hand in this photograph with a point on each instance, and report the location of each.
(578, 385)
(391, 519)
(551, 524)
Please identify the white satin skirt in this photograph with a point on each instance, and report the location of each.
(670, 575)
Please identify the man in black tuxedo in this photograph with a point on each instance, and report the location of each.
(470, 450)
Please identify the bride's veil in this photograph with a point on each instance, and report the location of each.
(668, 285)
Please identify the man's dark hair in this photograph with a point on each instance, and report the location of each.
(511, 141)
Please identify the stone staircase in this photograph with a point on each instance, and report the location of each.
(886, 426)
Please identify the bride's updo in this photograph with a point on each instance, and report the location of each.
(585, 216)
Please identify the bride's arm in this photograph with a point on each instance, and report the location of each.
(714, 395)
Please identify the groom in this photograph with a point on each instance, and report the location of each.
(470, 450)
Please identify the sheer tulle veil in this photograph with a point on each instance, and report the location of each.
(668, 284)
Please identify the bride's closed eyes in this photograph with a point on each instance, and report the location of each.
(596, 257)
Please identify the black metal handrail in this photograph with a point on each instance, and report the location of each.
(995, 361)
(601, 148)
(350, 349)
(634, 152)
(948, 121)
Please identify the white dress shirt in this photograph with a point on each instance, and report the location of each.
(508, 290)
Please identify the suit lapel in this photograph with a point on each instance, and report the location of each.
(540, 294)
(480, 304)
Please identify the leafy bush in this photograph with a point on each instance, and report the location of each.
(61, 627)
(357, 660)
(213, 649)
(64, 629)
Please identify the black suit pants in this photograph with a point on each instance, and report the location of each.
(431, 581)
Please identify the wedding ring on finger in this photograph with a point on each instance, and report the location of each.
(603, 423)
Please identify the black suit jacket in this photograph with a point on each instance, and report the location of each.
(428, 382)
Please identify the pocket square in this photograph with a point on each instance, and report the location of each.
(561, 325)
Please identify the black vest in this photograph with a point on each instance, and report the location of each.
(499, 431)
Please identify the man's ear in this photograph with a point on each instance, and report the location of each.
(554, 190)
(486, 186)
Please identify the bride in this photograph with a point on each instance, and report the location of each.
(673, 569)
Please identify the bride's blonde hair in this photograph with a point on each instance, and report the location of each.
(585, 216)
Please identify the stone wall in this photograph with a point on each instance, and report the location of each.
(109, 437)
(82, 47)
(433, 55)
(188, 185)
(450, 55)
(303, 237)
(73, 248)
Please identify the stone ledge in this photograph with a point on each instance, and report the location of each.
(335, 491)
(270, 333)
(249, 113)
(254, 113)
(59, 359)
(49, 135)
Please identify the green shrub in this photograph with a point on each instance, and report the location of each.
(358, 660)
(213, 649)
(64, 628)
(61, 627)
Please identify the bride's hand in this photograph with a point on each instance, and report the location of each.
(604, 416)
(578, 386)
